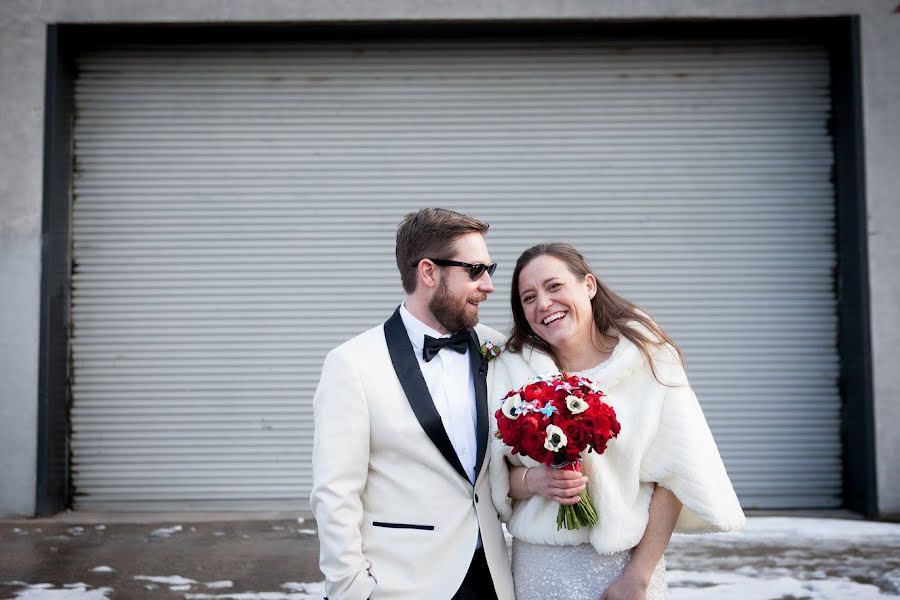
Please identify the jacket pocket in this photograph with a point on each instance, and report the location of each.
(402, 526)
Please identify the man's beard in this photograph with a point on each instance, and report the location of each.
(450, 311)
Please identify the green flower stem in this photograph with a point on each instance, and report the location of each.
(575, 516)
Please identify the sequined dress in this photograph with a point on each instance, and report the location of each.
(544, 572)
(549, 572)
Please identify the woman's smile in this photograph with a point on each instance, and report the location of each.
(554, 318)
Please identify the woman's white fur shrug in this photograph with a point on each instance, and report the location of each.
(664, 440)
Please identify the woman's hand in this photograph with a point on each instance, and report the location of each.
(632, 585)
(560, 486)
(626, 588)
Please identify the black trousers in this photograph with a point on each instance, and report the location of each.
(478, 584)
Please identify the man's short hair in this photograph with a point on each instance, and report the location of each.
(430, 233)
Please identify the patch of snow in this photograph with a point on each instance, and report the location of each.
(307, 531)
(782, 557)
(219, 585)
(695, 585)
(218, 533)
(166, 531)
(76, 530)
(168, 580)
(255, 596)
(77, 591)
(100, 527)
(296, 591)
(179, 588)
(804, 531)
(891, 579)
(300, 520)
(304, 587)
(103, 569)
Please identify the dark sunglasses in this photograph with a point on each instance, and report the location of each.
(475, 270)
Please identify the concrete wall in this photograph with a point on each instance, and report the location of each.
(22, 50)
(22, 62)
(881, 106)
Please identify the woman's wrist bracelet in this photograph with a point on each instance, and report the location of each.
(525, 480)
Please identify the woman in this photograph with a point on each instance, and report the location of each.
(662, 473)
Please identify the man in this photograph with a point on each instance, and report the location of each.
(400, 475)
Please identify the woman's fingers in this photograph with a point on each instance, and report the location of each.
(568, 482)
(562, 500)
(566, 493)
(571, 491)
(565, 475)
(568, 485)
(564, 487)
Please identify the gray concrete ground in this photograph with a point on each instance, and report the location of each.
(254, 555)
(91, 557)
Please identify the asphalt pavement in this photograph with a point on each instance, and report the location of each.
(275, 556)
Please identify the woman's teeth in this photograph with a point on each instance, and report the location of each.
(553, 318)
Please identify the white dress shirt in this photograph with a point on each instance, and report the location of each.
(449, 379)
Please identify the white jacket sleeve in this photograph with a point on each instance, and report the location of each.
(500, 455)
(340, 468)
(683, 458)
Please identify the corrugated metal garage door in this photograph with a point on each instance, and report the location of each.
(234, 212)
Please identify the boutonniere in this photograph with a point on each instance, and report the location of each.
(490, 350)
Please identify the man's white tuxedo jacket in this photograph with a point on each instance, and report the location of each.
(397, 516)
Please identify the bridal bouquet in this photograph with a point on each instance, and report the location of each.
(552, 420)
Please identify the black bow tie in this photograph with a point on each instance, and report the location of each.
(457, 341)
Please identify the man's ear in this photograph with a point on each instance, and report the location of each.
(427, 273)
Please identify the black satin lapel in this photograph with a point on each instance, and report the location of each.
(406, 366)
(479, 372)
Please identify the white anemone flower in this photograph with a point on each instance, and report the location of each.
(556, 439)
(576, 405)
(512, 406)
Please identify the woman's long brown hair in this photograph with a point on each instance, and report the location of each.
(609, 309)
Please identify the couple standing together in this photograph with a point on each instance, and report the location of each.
(410, 485)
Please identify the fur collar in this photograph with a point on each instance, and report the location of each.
(625, 359)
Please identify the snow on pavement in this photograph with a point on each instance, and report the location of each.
(81, 591)
(780, 557)
(165, 580)
(165, 532)
(752, 587)
(794, 529)
(772, 559)
(46, 591)
(218, 585)
(295, 591)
